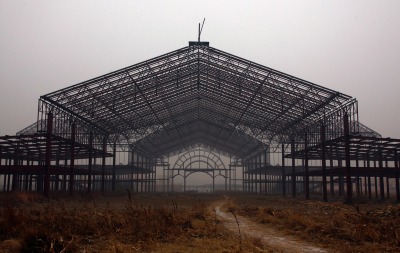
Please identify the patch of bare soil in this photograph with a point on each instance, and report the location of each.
(269, 237)
(365, 226)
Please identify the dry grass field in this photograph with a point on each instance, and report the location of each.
(190, 222)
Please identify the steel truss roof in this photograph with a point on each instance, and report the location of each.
(197, 94)
(33, 148)
(361, 148)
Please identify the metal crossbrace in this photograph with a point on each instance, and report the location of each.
(197, 95)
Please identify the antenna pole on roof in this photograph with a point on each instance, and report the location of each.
(201, 29)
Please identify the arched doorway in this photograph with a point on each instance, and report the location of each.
(198, 160)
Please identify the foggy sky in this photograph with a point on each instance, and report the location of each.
(349, 46)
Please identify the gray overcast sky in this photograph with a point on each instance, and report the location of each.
(349, 46)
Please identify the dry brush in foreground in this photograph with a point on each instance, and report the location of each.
(148, 223)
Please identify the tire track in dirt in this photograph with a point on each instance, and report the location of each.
(269, 237)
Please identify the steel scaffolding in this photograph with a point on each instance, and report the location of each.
(196, 95)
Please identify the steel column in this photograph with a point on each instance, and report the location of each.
(90, 162)
(113, 169)
(347, 156)
(103, 164)
(323, 161)
(369, 180)
(293, 169)
(283, 171)
(307, 179)
(381, 183)
(48, 154)
(72, 164)
(396, 164)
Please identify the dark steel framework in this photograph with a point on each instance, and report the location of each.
(196, 95)
(197, 160)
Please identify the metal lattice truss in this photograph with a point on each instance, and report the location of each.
(33, 148)
(196, 95)
(360, 148)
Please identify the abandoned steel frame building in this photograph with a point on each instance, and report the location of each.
(282, 134)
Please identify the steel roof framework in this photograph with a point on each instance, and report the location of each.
(33, 148)
(196, 95)
(360, 148)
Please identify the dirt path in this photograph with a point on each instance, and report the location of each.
(269, 237)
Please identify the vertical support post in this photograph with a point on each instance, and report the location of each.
(226, 179)
(213, 177)
(230, 173)
(307, 178)
(113, 169)
(387, 181)
(323, 161)
(293, 169)
(396, 165)
(137, 172)
(103, 164)
(168, 175)
(90, 165)
(64, 182)
(358, 188)
(132, 168)
(340, 178)
(57, 181)
(14, 185)
(141, 174)
(72, 164)
(184, 180)
(154, 176)
(25, 180)
(283, 171)
(9, 177)
(365, 185)
(369, 180)
(48, 154)
(331, 180)
(244, 186)
(347, 156)
(365, 180)
(147, 176)
(164, 177)
(260, 174)
(4, 176)
(265, 182)
(381, 183)
(376, 182)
